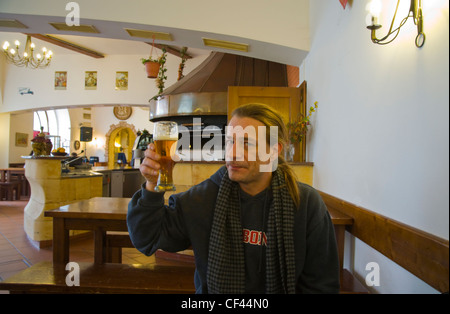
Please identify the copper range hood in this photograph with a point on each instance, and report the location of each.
(203, 92)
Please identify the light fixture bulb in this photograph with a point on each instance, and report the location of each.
(375, 8)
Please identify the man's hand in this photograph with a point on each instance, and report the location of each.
(150, 167)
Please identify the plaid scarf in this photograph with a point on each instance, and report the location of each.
(226, 265)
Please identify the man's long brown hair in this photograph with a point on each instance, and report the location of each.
(269, 117)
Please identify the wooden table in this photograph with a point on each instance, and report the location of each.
(99, 214)
(102, 214)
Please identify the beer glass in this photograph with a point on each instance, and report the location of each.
(165, 137)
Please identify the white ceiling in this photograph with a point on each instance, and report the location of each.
(273, 31)
(106, 46)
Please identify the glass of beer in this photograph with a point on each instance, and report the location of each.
(165, 137)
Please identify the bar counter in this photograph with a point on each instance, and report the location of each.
(189, 173)
(51, 189)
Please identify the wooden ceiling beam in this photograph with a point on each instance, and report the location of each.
(68, 45)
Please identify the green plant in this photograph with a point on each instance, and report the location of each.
(149, 59)
(298, 129)
(160, 80)
(162, 72)
(183, 61)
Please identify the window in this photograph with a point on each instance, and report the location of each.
(57, 124)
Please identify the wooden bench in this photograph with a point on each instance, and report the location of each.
(351, 285)
(106, 278)
(115, 241)
(422, 254)
(121, 278)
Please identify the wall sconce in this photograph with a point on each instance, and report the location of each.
(415, 11)
(98, 142)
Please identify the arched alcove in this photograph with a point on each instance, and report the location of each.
(123, 132)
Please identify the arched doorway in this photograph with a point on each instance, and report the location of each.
(119, 139)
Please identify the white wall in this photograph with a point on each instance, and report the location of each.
(41, 82)
(2, 78)
(381, 134)
(102, 120)
(4, 122)
(4, 139)
(20, 123)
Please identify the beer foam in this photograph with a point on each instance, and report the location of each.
(164, 137)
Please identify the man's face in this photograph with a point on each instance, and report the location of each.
(241, 151)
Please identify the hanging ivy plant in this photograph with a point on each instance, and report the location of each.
(160, 80)
(183, 61)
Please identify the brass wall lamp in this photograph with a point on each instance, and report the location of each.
(415, 11)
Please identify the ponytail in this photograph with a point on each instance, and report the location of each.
(291, 180)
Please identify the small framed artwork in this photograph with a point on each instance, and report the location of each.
(21, 139)
(90, 80)
(121, 80)
(122, 112)
(60, 80)
(76, 145)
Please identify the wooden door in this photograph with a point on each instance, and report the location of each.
(290, 102)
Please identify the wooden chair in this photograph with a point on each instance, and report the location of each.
(8, 186)
(7, 190)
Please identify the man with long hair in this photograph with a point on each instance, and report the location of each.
(253, 228)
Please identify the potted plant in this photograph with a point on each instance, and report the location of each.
(151, 66)
(41, 145)
(297, 131)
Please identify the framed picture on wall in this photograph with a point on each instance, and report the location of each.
(121, 80)
(60, 80)
(90, 80)
(21, 139)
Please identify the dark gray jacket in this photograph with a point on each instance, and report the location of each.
(187, 221)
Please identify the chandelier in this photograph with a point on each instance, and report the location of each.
(27, 59)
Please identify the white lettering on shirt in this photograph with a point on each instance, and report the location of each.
(254, 237)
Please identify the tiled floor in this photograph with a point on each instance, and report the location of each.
(17, 252)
